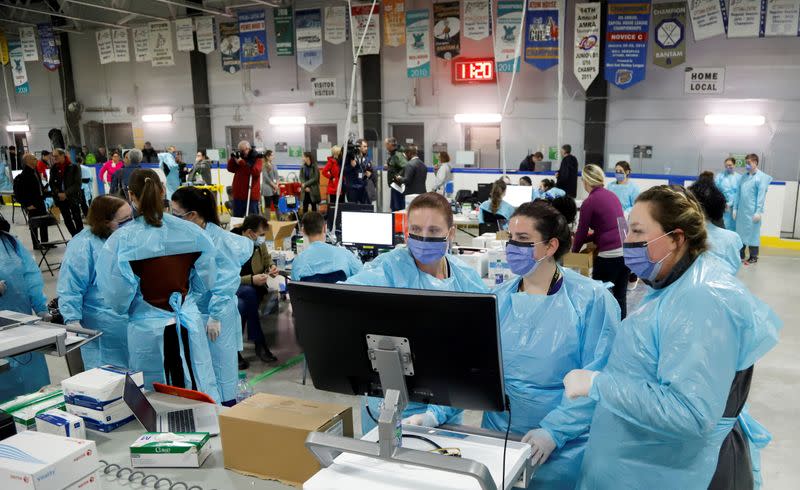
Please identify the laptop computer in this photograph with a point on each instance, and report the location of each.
(198, 419)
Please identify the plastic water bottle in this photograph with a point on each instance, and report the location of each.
(243, 390)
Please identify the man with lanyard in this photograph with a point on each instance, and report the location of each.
(357, 172)
(395, 166)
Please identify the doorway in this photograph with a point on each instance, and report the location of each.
(235, 134)
(410, 134)
(485, 142)
(319, 140)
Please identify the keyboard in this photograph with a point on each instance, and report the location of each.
(181, 421)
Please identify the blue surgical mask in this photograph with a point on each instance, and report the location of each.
(260, 241)
(427, 250)
(638, 261)
(748, 167)
(519, 256)
(620, 177)
(728, 170)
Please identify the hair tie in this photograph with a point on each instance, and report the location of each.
(147, 179)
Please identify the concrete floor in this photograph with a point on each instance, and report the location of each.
(774, 396)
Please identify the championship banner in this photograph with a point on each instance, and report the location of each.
(3, 48)
(141, 43)
(184, 34)
(47, 42)
(105, 46)
(707, 20)
(18, 71)
(626, 42)
(119, 38)
(670, 34)
(229, 47)
(205, 34)
(586, 65)
(418, 50)
(541, 33)
(744, 19)
(284, 31)
(782, 18)
(253, 39)
(509, 16)
(447, 29)
(372, 40)
(477, 19)
(394, 14)
(308, 29)
(336, 24)
(161, 44)
(27, 39)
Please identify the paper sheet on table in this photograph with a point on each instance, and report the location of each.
(399, 188)
(276, 283)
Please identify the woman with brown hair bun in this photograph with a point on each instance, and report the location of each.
(79, 297)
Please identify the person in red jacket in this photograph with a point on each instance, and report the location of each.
(332, 171)
(246, 166)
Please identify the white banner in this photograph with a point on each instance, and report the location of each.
(105, 46)
(509, 15)
(205, 34)
(161, 44)
(27, 37)
(744, 18)
(586, 64)
(184, 34)
(335, 24)
(477, 19)
(323, 88)
(372, 41)
(707, 19)
(141, 43)
(782, 18)
(121, 49)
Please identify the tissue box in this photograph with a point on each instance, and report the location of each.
(110, 418)
(98, 387)
(166, 450)
(34, 461)
(25, 408)
(61, 423)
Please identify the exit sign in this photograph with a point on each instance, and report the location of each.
(473, 70)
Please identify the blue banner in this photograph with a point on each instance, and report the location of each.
(509, 16)
(541, 34)
(418, 49)
(308, 31)
(253, 39)
(626, 42)
(18, 72)
(47, 41)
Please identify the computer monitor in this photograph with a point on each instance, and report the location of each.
(367, 229)
(452, 338)
(517, 195)
(484, 190)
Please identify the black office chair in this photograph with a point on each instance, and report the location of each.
(491, 222)
(34, 224)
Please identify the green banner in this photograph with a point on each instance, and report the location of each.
(739, 157)
(295, 151)
(552, 153)
(284, 31)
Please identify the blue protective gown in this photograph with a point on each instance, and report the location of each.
(221, 303)
(24, 294)
(79, 300)
(752, 196)
(87, 173)
(627, 194)
(119, 287)
(173, 178)
(6, 183)
(505, 210)
(553, 193)
(323, 258)
(661, 397)
(544, 338)
(397, 269)
(725, 245)
(728, 184)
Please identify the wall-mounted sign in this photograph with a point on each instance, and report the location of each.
(296, 151)
(643, 151)
(323, 88)
(281, 147)
(704, 81)
(473, 70)
(439, 147)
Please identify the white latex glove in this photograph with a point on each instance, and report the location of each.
(44, 315)
(421, 419)
(756, 218)
(542, 445)
(578, 382)
(734, 214)
(213, 327)
(2, 288)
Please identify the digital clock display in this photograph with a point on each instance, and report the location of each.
(473, 70)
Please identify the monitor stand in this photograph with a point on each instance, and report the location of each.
(391, 356)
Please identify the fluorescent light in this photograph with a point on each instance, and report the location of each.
(287, 120)
(156, 118)
(18, 127)
(734, 120)
(478, 118)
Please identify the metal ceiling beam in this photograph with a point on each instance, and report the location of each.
(114, 9)
(57, 14)
(181, 3)
(60, 29)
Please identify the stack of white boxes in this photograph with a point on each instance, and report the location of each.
(34, 461)
(25, 408)
(96, 396)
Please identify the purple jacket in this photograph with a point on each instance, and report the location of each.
(600, 212)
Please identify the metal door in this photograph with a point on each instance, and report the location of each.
(485, 142)
(410, 134)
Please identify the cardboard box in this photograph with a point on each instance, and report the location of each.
(25, 408)
(583, 261)
(166, 450)
(264, 436)
(61, 423)
(98, 387)
(279, 231)
(31, 460)
(110, 418)
(88, 482)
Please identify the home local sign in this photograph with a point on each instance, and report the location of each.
(704, 81)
